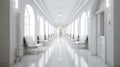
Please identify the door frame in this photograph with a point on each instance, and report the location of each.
(98, 14)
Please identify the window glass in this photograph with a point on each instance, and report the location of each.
(41, 26)
(76, 26)
(46, 24)
(29, 22)
(84, 26)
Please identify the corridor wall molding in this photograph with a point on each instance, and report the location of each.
(44, 11)
(76, 12)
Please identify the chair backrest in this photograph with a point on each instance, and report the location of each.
(28, 41)
(41, 38)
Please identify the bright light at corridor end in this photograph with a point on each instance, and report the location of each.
(59, 14)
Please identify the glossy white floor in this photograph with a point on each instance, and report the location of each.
(61, 54)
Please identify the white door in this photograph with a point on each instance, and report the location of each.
(101, 35)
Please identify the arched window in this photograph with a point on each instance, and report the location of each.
(29, 22)
(84, 26)
(72, 26)
(46, 26)
(68, 30)
(49, 29)
(41, 27)
(76, 26)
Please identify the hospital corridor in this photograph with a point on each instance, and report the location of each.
(62, 53)
(59, 33)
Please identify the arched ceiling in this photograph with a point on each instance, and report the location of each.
(63, 6)
(60, 10)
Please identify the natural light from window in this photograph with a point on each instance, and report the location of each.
(76, 26)
(46, 24)
(29, 22)
(41, 27)
(84, 26)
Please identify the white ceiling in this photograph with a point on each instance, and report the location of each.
(66, 7)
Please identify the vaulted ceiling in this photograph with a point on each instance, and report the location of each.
(60, 11)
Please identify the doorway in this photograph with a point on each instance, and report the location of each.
(101, 34)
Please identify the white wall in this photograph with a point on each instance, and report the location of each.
(110, 37)
(113, 34)
(92, 30)
(16, 27)
(13, 31)
(109, 58)
(4, 33)
(92, 36)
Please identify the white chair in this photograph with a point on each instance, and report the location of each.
(31, 47)
(42, 40)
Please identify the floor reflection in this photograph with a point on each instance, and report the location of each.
(83, 62)
(79, 61)
(46, 56)
(61, 54)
